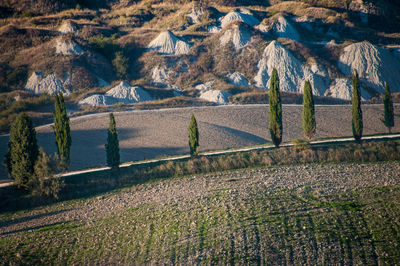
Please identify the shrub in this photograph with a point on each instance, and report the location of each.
(301, 145)
(120, 64)
(43, 182)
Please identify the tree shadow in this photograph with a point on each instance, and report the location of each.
(86, 185)
(39, 227)
(25, 219)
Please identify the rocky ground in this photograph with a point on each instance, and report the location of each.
(307, 214)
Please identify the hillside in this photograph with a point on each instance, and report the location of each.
(285, 215)
(170, 48)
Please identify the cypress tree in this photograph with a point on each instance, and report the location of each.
(357, 122)
(193, 137)
(275, 110)
(62, 131)
(23, 150)
(308, 118)
(112, 146)
(388, 104)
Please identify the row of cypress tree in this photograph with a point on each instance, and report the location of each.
(23, 150)
(308, 114)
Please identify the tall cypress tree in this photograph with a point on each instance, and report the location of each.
(23, 150)
(308, 118)
(193, 137)
(112, 146)
(62, 131)
(275, 110)
(388, 105)
(357, 122)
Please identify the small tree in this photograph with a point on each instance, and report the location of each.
(121, 64)
(357, 122)
(112, 146)
(43, 182)
(308, 118)
(388, 104)
(193, 137)
(62, 131)
(22, 150)
(275, 110)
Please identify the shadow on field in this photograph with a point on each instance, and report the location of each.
(45, 227)
(245, 136)
(33, 217)
(89, 184)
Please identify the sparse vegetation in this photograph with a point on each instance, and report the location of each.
(10, 107)
(120, 63)
(110, 48)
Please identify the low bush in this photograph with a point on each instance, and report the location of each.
(43, 183)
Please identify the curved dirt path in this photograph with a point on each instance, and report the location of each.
(147, 134)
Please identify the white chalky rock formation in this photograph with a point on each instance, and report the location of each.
(237, 79)
(216, 96)
(67, 27)
(242, 15)
(342, 89)
(67, 47)
(124, 93)
(159, 75)
(97, 100)
(292, 73)
(39, 83)
(375, 65)
(204, 86)
(167, 43)
(213, 29)
(237, 35)
(282, 28)
(195, 15)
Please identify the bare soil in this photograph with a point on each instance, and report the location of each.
(145, 134)
(306, 214)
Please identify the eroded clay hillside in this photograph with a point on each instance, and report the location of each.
(192, 52)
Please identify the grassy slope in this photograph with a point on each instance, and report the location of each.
(239, 217)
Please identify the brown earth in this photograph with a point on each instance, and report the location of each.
(293, 215)
(147, 134)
